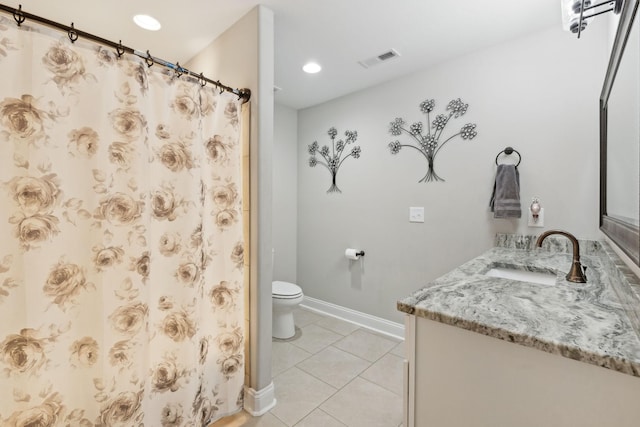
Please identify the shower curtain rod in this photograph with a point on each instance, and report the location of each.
(20, 16)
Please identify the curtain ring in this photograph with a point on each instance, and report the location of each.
(19, 16)
(148, 60)
(178, 70)
(73, 34)
(220, 86)
(120, 49)
(203, 82)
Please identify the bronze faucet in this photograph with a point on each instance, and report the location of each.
(576, 274)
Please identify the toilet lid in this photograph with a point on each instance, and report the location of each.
(285, 289)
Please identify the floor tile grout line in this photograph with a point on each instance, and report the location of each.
(323, 401)
(278, 418)
(339, 388)
(295, 364)
(353, 354)
(379, 385)
(347, 351)
(373, 382)
(352, 380)
(319, 379)
(358, 376)
(328, 415)
(324, 412)
(344, 351)
(316, 352)
(360, 328)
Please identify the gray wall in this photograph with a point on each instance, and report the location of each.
(538, 94)
(285, 194)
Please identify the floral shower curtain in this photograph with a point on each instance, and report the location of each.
(121, 246)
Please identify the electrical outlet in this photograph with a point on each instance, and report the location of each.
(536, 223)
(416, 214)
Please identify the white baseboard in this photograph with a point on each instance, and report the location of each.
(259, 402)
(376, 324)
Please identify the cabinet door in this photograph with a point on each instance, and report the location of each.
(463, 378)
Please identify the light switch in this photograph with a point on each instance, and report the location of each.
(416, 214)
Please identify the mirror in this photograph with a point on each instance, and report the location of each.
(620, 137)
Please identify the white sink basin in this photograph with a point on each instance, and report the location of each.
(548, 279)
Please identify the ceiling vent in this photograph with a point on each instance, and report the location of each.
(383, 57)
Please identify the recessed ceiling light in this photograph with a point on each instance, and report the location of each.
(311, 68)
(147, 22)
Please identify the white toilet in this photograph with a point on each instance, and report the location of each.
(285, 296)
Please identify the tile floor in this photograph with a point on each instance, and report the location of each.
(335, 374)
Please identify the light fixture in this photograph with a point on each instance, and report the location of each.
(311, 68)
(147, 22)
(576, 14)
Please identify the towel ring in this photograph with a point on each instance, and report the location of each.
(508, 151)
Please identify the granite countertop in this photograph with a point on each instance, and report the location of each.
(582, 321)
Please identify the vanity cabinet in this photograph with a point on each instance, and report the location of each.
(459, 378)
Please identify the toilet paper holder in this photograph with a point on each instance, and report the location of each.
(353, 254)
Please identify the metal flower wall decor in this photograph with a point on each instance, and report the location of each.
(427, 141)
(333, 158)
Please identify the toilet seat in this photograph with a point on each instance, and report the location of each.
(285, 290)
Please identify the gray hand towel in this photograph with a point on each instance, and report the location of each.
(505, 200)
